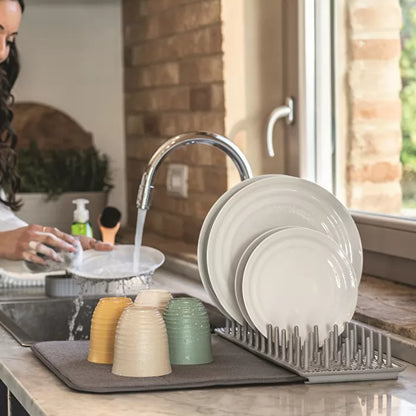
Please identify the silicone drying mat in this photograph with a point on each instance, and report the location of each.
(232, 366)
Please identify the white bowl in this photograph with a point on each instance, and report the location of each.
(118, 263)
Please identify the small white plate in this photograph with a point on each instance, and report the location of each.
(274, 201)
(238, 282)
(299, 277)
(118, 263)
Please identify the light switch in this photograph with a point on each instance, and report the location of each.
(177, 180)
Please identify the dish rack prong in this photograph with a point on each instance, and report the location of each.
(350, 353)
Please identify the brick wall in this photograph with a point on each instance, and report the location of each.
(374, 134)
(174, 84)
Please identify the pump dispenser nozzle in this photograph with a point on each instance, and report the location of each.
(80, 224)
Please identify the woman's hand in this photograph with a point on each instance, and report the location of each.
(26, 243)
(91, 243)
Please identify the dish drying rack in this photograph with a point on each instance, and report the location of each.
(356, 354)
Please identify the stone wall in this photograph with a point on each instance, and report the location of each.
(174, 84)
(374, 108)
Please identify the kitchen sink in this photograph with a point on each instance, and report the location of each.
(36, 320)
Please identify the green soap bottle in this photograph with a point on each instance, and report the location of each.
(81, 224)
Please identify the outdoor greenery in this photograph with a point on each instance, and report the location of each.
(408, 93)
(57, 171)
(408, 98)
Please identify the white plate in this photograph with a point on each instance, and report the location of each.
(272, 202)
(238, 282)
(299, 277)
(118, 263)
(204, 234)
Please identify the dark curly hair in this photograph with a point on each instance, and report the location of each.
(9, 179)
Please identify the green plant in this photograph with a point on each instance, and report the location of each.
(408, 93)
(57, 171)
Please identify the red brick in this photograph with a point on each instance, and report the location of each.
(383, 110)
(172, 124)
(190, 17)
(377, 172)
(207, 40)
(191, 229)
(366, 17)
(202, 70)
(379, 49)
(151, 124)
(200, 98)
(385, 198)
(161, 99)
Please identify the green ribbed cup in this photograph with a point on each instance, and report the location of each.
(189, 332)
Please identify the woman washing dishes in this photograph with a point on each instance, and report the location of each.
(18, 240)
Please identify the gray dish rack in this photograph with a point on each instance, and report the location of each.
(355, 354)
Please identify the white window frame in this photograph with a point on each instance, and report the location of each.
(316, 148)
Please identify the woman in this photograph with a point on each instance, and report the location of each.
(19, 241)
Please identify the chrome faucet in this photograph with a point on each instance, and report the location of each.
(212, 139)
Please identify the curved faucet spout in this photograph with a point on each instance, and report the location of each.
(212, 139)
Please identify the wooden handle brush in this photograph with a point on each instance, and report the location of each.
(109, 222)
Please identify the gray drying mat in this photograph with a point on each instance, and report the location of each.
(232, 366)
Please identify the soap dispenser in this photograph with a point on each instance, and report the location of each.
(81, 224)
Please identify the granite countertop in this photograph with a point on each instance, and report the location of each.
(41, 393)
(387, 305)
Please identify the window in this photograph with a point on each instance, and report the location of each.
(353, 58)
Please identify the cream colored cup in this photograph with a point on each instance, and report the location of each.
(103, 327)
(141, 344)
(155, 298)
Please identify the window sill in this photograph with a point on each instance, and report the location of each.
(387, 305)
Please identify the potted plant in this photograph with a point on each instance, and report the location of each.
(52, 179)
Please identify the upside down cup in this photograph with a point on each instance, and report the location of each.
(189, 331)
(155, 298)
(141, 344)
(103, 328)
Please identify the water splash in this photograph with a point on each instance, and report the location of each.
(78, 302)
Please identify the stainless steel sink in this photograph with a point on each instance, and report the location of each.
(31, 321)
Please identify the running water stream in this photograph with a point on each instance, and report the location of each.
(141, 217)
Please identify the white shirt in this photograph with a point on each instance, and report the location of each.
(8, 219)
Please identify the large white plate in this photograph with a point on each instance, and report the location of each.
(239, 273)
(299, 277)
(204, 234)
(274, 201)
(118, 263)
